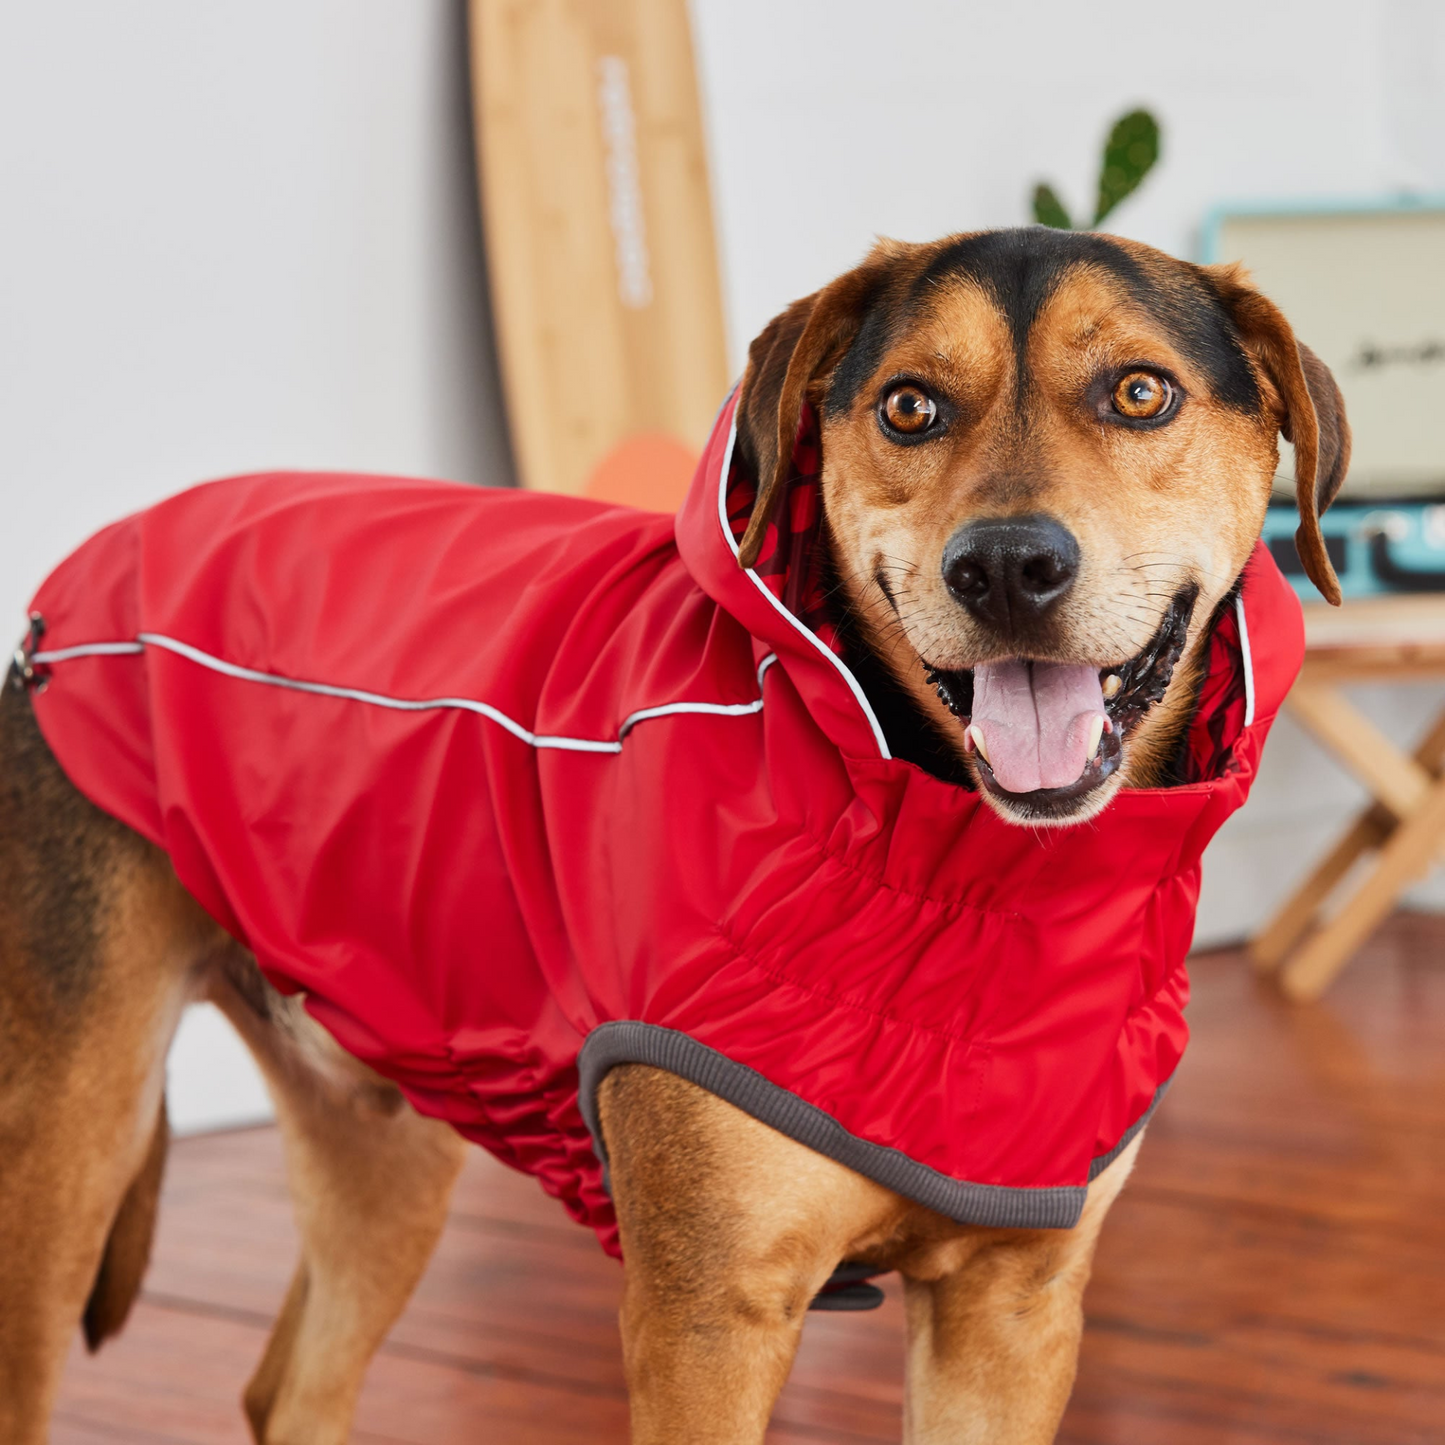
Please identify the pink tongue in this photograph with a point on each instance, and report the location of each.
(1035, 718)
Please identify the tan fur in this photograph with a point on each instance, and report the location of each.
(128, 1249)
(729, 1227)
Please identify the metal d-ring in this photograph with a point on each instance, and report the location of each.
(24, 672)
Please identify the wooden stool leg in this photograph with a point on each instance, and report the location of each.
(1394, 777)
(1295, 918)
(1369, 830)
(1403, 860)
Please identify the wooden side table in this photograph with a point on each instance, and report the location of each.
(1376, 639)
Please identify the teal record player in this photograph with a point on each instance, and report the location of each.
(1376, 547)
(1360, 282)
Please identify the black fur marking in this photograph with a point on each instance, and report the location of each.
(1022, 268)
(911, 734)
(245, 976)
(56, 850)
(881, 324)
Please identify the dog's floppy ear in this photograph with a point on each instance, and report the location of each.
(792, 351)
(1312, 415)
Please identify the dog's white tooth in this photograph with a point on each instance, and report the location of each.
(976, 736)
(1112, 684)
(1096, 731)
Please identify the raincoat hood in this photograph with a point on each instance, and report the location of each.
(778, 600)
(516, 788)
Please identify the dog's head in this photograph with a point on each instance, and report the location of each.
(1046, 458)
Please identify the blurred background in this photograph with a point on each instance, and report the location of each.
(244, 236)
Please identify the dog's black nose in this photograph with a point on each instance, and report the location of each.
(1008, 571)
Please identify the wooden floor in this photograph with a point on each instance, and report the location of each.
(1274, 1272)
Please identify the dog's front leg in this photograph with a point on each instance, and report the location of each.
(728, 1230)
(706, 1365)
(994, 1323)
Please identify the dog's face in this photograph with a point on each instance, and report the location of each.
(1046, 458)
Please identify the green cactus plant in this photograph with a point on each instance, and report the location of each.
(1130, 154)
(1049, 209)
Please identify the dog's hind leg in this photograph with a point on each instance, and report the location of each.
(98, 951)
(371, 1180)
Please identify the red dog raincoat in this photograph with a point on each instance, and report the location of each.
(518, 787)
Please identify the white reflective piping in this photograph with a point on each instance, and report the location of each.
(377, 699)
(401, 704)
(88, 649)
(718, 709)
(1248, 660)
(847, 676)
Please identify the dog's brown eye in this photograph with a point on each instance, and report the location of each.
(909, 409)
(1142, 395)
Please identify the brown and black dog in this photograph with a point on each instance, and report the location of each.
(1114, 415)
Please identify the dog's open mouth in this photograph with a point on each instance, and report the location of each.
(1044, 734)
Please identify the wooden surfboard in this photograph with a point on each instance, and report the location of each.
(600, 244)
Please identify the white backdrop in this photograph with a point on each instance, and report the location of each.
(238, 236)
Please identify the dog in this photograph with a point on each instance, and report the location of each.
(996, 656)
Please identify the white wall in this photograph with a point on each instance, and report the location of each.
(238, 236)
(835, 120)
(233, 236)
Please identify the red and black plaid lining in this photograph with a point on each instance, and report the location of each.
(1219, 719)
(787, 563)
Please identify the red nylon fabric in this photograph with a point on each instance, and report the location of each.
(462, 907)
